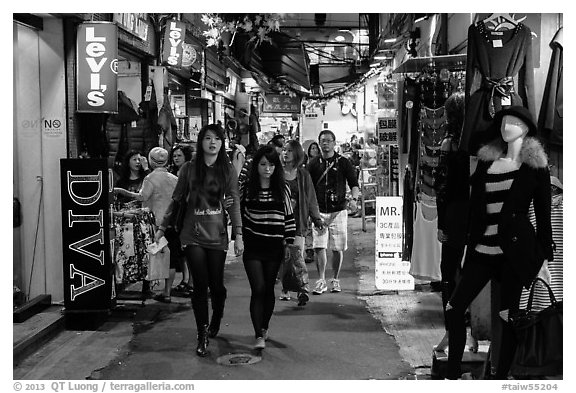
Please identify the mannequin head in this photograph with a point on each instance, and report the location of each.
(514, 122)
(513, 128)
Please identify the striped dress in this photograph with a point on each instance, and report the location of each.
(498, 185)
(266, 224)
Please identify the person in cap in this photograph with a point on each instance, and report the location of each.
(156, 194)
(502, 244)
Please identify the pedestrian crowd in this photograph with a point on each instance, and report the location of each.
(279, 198)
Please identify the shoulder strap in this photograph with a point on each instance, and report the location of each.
(327, 169)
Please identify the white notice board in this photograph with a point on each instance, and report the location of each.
(391, 272)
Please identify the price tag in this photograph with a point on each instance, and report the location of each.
(148, 94)
(497, 43)
(506, 101)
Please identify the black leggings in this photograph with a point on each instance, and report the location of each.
(449, 268)
(262, 277)
(478, 270)
(207, 271)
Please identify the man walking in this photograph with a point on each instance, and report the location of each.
(330, 172)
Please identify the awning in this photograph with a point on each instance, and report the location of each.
(284, 58)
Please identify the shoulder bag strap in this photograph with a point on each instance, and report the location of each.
(326, 171)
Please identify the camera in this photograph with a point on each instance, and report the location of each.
(332, 197)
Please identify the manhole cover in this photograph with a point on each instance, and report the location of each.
(238, 359)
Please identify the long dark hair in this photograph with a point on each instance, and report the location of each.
(310, 148)
(125, 168)
(277, 185)
(222, 164)
(454, 107)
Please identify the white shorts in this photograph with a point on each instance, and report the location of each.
(334, 236)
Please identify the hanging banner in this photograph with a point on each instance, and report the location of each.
(97, 73)
(87, 261)
(279, 103)
(387, 130)
(392, 273)
(173, 39)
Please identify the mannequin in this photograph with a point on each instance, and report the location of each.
(502, 244)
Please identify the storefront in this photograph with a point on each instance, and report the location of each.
(40, 140)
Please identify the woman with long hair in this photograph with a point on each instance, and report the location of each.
(209, 179)
(303, 198)
(313, 150)
(156, 195)
(268, 221)
(133, 170)
(132, 173)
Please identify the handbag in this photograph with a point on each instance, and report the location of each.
(295, 273)
(180, 206)
(539, 338)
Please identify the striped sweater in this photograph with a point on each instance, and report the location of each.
(267, 222)
(497, 188)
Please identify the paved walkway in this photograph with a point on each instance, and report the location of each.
(335, 337)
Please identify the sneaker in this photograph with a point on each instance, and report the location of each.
(335, 285)
(260, 343)
(320, 287)
(265, 334)
(284, 296)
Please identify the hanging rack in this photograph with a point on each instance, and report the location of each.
(417, 64)
(500, 20)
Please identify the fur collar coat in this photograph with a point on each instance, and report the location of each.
(525, 247)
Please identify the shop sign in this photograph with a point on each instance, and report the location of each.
(387, 129)
(173, 39)
(97, 73)
(279, 103)
(190, 54)
(85, 194)
(53, 127)
(392, 272)
(135, 23)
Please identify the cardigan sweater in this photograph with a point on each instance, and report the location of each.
(307, 202)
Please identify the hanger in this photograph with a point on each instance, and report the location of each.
(499, 21)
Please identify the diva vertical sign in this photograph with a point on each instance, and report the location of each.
(97, 72)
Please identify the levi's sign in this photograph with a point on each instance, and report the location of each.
(173, 39)
(86, 234)
(97, 73)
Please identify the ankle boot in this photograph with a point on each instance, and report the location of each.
(214, 326)
(202, 349)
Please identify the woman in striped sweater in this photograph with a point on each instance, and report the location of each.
(503, 245)
(268, 224)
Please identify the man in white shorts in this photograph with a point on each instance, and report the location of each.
(330, 173)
